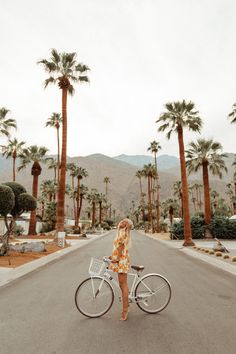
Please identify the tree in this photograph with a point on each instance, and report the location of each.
(205, 154)
(55, 121)
(232, 115)
(83, 193)
(33, 154)
(154, 148)
(178, 192)
(63, 69)
(180, 115)
(6, 123)
(14, 201)
(93, 197)
(13, 149)
(80, 173)
(106, 180)
(149, 172)
(101, 199)
(139, 175)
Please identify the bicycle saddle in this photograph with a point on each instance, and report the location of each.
(138, 268)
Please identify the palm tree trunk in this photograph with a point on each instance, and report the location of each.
(186, 214)
(77, 203)
(80, 205)
(32, 224)
(207, 200)
(14, 168)
(58, 156)
(100, 213)
(62, 182)
(150, 200)
(93, 214)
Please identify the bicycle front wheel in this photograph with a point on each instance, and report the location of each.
(94, 297)
(152, 293)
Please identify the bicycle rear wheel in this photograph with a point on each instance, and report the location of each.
(94, 297)
(152, 293)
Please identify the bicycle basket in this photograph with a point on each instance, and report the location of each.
(96, 266)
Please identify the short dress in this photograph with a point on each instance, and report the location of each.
(123, 265)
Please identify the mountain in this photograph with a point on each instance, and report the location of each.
(124, 186)
(164, 162)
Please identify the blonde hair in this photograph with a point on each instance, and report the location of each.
(124, 228)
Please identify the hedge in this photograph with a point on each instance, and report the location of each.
(220, 227)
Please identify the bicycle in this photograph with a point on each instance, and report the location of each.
(95, 295)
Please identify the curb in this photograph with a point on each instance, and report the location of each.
(12, 274)
(218, 263)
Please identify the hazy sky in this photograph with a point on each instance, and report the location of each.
(142, 53)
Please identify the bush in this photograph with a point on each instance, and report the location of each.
(17, 190)
(197, 226)
(46, 227)
(7, 200)
(222, 227)
(26, 202)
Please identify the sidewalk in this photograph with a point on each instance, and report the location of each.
(9, 274)
(213, 260)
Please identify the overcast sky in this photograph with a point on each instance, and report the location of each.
(142, 53)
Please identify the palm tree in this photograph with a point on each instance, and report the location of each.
(106, 180)
(232, 115)
(33, 154)
(93, 197)
(13, 149)
(101, 199)
(149, 172)
(180, 115)
(6, 123)
(83, 193)
(234, 164)
(214, 194)
(55, 121)
(205, 154)
(79, 173)
(139, 174)
(48, 189)
(63, 70)
(154, 148)
(178, 192)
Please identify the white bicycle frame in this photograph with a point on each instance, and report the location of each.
(107, 275)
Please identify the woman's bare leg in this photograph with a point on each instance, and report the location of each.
(122, 277)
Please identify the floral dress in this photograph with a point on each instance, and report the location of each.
(121, 241)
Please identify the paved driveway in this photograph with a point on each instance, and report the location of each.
(38, 313)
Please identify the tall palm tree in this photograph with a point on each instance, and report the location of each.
(13, 149)
(55, 121)
(178, 192)
(93, 197)
(6, 123)
(232, 115)
(106, 180)
(33, 154)
(214, 194)
(234, 177)
(139, 175)
(154, 148)
(63, 69)
(83, 193)
(205, 154)
(180, 115)
(149, 172)
(80, 173)
(101, 199)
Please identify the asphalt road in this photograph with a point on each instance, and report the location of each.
(38, 315)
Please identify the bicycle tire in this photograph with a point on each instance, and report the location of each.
(159, 297)
(91, 306)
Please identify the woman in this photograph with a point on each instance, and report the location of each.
(120, 261)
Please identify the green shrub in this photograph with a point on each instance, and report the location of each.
(17, 190)
(19, 230)
(222, 227)
(7, 200)
(26, 202)
(197, 226)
